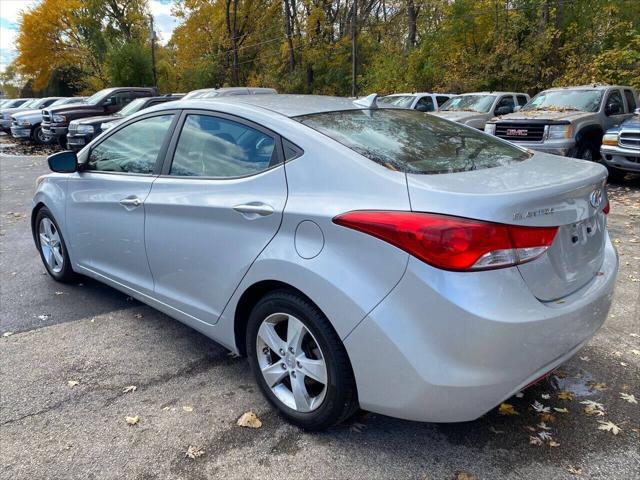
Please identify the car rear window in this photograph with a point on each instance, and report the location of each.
(414, 142)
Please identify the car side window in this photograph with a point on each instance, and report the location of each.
(506, 103)
(132, 149)
(614, 105)
(441, 100)
(425, 104)
(631, 101)
(522, 100)
(211, 146)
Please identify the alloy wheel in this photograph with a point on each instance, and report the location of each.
(50, 245)
(291, 362)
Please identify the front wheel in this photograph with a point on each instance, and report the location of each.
(299, 361)
(585, 151)
(52, 247)
(38, 136)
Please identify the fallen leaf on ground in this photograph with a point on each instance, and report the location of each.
(138, 315)
(129, 389)
(574, 470)
(194, 452)
(635, 352)
(462, 475)
(7, 334)
(561, 410)
(540, 408)
(545, 436)
(547, 417)
(249, 420)
(73, 383)
(553, 443)
(628, 397)
(597, 386)
(584, 359)
(634, 335)
(624, 364)
(609, 427)
(59, 293)
(132, 420)
(543, 426)
(545, 396)
(564, 395)
(43, 317)
(507, 409)
(493, 430)
(535, 440)
(187, 408)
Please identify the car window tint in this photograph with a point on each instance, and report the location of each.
(425, 104)
(522, 100)
(409, 141)
(442, 100)
(615, 98)
(132, 149)
(216, 147)
(506, 101)
(631, 101)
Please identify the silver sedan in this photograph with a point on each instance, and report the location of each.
(360, 257)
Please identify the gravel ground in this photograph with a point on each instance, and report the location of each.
(190, 391)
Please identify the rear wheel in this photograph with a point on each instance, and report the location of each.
(299, 361)
(52, 247)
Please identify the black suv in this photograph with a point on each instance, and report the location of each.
(83, 130)
(55, 120)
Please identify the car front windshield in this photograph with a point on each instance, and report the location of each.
(132, 108)
(400, 101)
(98, 97)
(31, 103)
(414, 142)
(566, 100)
(469, 103)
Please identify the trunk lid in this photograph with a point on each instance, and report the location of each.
(544, 190)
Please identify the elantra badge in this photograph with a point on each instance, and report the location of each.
(596, 198)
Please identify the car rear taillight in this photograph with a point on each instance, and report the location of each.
(453, 243)
(607, 208)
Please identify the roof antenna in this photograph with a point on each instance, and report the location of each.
(367, 102)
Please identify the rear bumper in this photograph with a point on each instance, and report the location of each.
(621, 158)
(20, 132)
(448, 347)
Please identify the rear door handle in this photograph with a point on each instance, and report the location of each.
(131, 202)
(254, 209)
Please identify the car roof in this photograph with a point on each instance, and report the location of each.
(592, 86)
(284, 104)
(491, 93)
(418, 93)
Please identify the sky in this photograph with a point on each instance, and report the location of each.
(10, 11)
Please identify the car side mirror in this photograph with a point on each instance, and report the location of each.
(108, 102)
(63, 162)
(637, 111)
(504, 110)
(613, 109)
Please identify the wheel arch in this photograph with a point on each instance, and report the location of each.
(249, 298)
(591, 133)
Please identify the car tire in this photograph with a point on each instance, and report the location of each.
(37, 135)
(586, 151)
(615, 175)
(325, 404)
(54, 252)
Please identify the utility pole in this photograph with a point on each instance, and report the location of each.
(354, 52)
(152, 37)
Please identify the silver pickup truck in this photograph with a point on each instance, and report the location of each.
(474, 109)
(567, 121)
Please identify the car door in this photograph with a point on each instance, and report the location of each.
(614, 109)
(217, 205)
(105, 210)
(505, 105)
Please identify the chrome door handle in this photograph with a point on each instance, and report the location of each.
(131, 202)
(253, 209)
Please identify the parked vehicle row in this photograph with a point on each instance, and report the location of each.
(27, 123)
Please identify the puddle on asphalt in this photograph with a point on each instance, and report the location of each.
(580, 383)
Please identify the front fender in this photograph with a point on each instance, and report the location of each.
(52, 194)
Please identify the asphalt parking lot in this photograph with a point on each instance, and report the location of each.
(69, 351)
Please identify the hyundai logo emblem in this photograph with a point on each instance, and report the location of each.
(596, 198)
